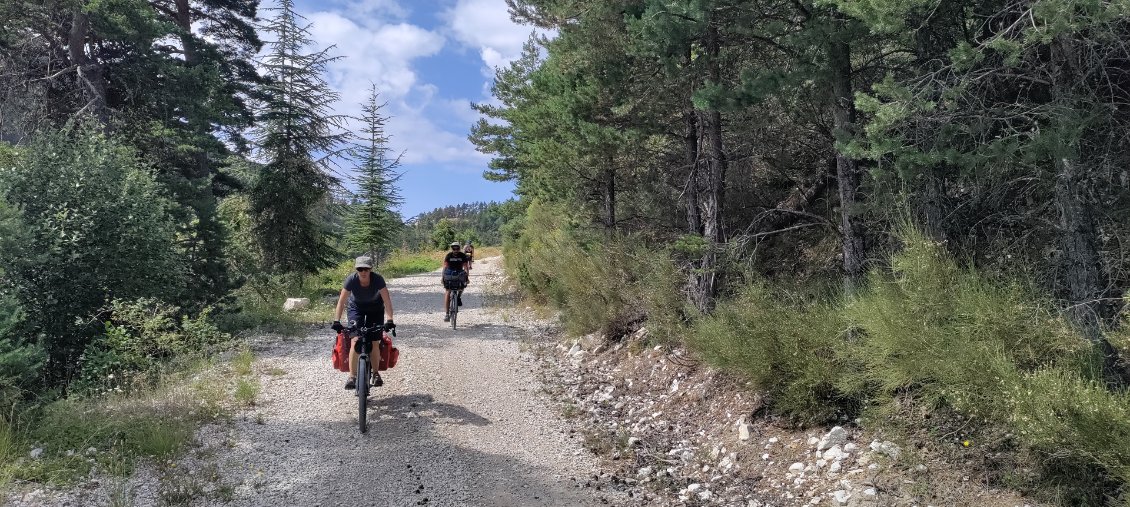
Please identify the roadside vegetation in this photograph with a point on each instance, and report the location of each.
(903, 212)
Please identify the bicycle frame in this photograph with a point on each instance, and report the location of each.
(364, 348)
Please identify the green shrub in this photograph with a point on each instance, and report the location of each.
(140, 338)
(1078, 430)
(948, 335)
(787, 349)
(96, 223)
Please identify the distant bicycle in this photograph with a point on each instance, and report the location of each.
(454, 285)
(366, 336)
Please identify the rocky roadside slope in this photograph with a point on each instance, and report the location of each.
(671, 432)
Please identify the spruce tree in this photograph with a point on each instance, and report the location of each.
(299, 135)
(373, 226)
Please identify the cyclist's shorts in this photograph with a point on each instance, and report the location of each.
(367, 317)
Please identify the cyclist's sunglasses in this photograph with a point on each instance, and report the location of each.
(362, 270)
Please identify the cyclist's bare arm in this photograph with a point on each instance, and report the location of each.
(341, 304)
(388, 303)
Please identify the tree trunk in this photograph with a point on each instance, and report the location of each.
(609, 195)
(89, 74)
(690, 143)
(1083, 273)
(847, 170)
(714, 186)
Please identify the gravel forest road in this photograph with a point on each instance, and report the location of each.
(461, 421)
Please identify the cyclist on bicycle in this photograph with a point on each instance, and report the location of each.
(453, 265)
(470, 251)
(368, 300)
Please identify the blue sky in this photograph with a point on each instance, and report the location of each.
(430, 59)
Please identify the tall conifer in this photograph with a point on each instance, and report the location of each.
(373, 225)
(299, 135)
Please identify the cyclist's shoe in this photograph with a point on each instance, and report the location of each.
(460, 300)
(377, 381)
(447, 317)
(351, 383)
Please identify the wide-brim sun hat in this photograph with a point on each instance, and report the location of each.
(363, 261)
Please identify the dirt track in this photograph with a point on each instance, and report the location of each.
(460, 421)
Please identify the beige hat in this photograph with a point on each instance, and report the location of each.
(363, 261)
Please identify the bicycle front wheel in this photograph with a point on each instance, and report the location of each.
(363, 394)
(454, 304)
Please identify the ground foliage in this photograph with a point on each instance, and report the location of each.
(863, 206)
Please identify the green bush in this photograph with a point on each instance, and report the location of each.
(96, 223)
(598, 284)
(948, 335)
(140, 338)
(787, 349)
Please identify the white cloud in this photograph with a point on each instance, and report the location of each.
(485, 26)
(383, 53)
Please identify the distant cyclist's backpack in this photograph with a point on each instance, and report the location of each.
(340, 354)
(389, 354)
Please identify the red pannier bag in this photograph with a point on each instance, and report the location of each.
(389, 354)
(340, 355)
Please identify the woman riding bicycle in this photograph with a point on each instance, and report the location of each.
(453, 265)
(367, 298)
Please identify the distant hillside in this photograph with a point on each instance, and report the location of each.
(479, 222)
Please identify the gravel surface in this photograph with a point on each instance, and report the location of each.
(460, 421)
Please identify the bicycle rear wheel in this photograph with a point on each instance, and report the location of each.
(363, 394)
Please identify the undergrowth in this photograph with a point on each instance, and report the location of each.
(926, 341)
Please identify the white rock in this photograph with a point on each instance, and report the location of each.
(920, 468)
(743, 432)
(813, 440)
(870, 492)
(837, 436)
(821, 463)
(834, 454)
(835, 467)
(850, 447)
(674, 385)
(841, 497)
(36, 453)
(765, 456)
(886, 448)
(774, 440)
(705, 495)
(90, 451)
(644, 472)
(796, 467)
(693, 487)
(633, 441)
(294, 304)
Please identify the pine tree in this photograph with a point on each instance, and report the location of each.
(299, 135)
(373, 226)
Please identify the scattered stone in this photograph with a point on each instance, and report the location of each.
(774, 440)
(886, 449)
(36, 453)
(694, 487)
(850, 447)
(674, 385)
(633, 441)
(834, 454)
(796, 467)
(841, 497)
(813, 441)
(295, 304)
(644, 472)
(870, 492)
(837, 436)
(835, 467)
(743, 432)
